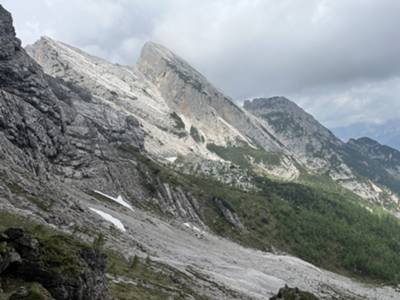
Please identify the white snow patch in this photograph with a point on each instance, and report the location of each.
(119, 199)
(117, 223)
(171, 159)
(369, 209)
(191, 226)
(376, 188)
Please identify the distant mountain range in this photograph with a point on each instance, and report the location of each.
(386, 133)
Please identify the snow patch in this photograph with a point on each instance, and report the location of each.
(116, 222)
(171, 159)
(119, 199)
(376, 188)
(369, 209)
(191, 226)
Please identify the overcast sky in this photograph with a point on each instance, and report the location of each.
(338, 59)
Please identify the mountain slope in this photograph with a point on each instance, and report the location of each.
(381, 162)
(313, 144)
(190, 93)
(320, 151)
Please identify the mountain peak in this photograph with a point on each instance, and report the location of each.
(153, 46)
(155, 57)
(364, 141)
(275, 102)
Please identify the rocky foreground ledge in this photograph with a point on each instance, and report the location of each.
(48, 266)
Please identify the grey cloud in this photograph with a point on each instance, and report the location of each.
(336, 58)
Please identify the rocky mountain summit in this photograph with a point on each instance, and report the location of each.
(147, 182)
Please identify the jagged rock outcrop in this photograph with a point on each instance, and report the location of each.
(44, 125)
(65, 271)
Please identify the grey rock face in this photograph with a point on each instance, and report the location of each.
(49, 125)
(308, 140)
(190, 93)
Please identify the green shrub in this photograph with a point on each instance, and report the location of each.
(196, 135)
(179, 124)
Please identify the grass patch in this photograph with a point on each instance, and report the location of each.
(148, 280)
(19, 191)
(58, 251)
(195, 134)
(35, 290)
(179, 124)
(244, 155)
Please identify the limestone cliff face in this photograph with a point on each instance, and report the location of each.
(190, 93)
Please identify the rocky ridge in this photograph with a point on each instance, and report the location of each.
(319, 150)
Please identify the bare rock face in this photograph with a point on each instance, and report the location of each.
(190, 94)
(124, 89)
(310, 142)
(50, 125)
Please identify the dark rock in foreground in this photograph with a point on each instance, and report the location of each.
(52, 266)
(287, 293)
